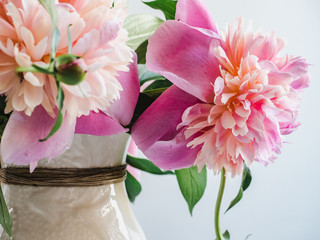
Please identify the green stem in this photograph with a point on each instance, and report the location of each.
(218, 205)
(34, 68)
(26, 69)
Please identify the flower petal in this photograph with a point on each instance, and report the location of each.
(20, 141)
(185, 58)
(123, 108)
(173, 154)
(195, 14)
(160, 141)
(227, 120)
(160, 120)
(98, 124)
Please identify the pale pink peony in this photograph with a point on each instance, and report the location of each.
(239, 96)
(97, 36)
(103, 102)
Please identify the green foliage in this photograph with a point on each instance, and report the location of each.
(5, 218)
(146, 165)
(192, 184)
(168, 7)
(250, 235)
(159, 84)
(3, 117)
(226, 235)
(51, 8)
(144, 101)
(145, 75)
(141, 52)
(54, 43)
(69, 39)
(140, 27)
(133, 187)
(246, 180)
(155, 93)
(58, 123)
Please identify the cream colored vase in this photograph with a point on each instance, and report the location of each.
(76, 213)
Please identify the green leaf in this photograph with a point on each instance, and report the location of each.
(140, 27)
(5, 218)
(60, 96)
(69, 39)
(168, 7)
(159, 84)
(59, 120)
(133, 187)
(247, 177)
(55, 127)
(141, 52)
(51, 8)
(3, 116)
(145, 75)
(146, 165)
(54, 43)
(246, 180)
(155, 93)
(226, 235)
(250, 235)
(144, 101)
(192, 184)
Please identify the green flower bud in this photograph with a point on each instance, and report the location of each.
(70, 69)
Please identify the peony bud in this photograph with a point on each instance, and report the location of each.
(70, 69)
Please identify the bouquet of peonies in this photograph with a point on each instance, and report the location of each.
(193, 97)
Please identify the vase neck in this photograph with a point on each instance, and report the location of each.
(88, 151)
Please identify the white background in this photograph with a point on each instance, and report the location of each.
(283, 199)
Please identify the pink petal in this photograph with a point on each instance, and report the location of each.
(156, 134)
(123, 108)
(96, 39)
(98, 124)
(136, 173)
(160, 120)
(218, 86)
(20, 142)
(133, 148)
(227, 120)
(195, 14)
(172, 154)
(298, 67)
(267, 47)
(185, 58)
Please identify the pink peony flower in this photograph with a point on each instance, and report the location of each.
(234, 97)
(101, 104)
(97, 36)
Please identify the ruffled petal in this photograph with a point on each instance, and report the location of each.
(186, 58)
(195, 14)
(20, 141)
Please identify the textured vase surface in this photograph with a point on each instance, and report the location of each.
(76, 213)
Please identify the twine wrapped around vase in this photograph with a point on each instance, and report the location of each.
(63, 177)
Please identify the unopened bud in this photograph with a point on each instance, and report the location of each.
(70, 69)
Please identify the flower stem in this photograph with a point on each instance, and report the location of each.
(218, 205)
